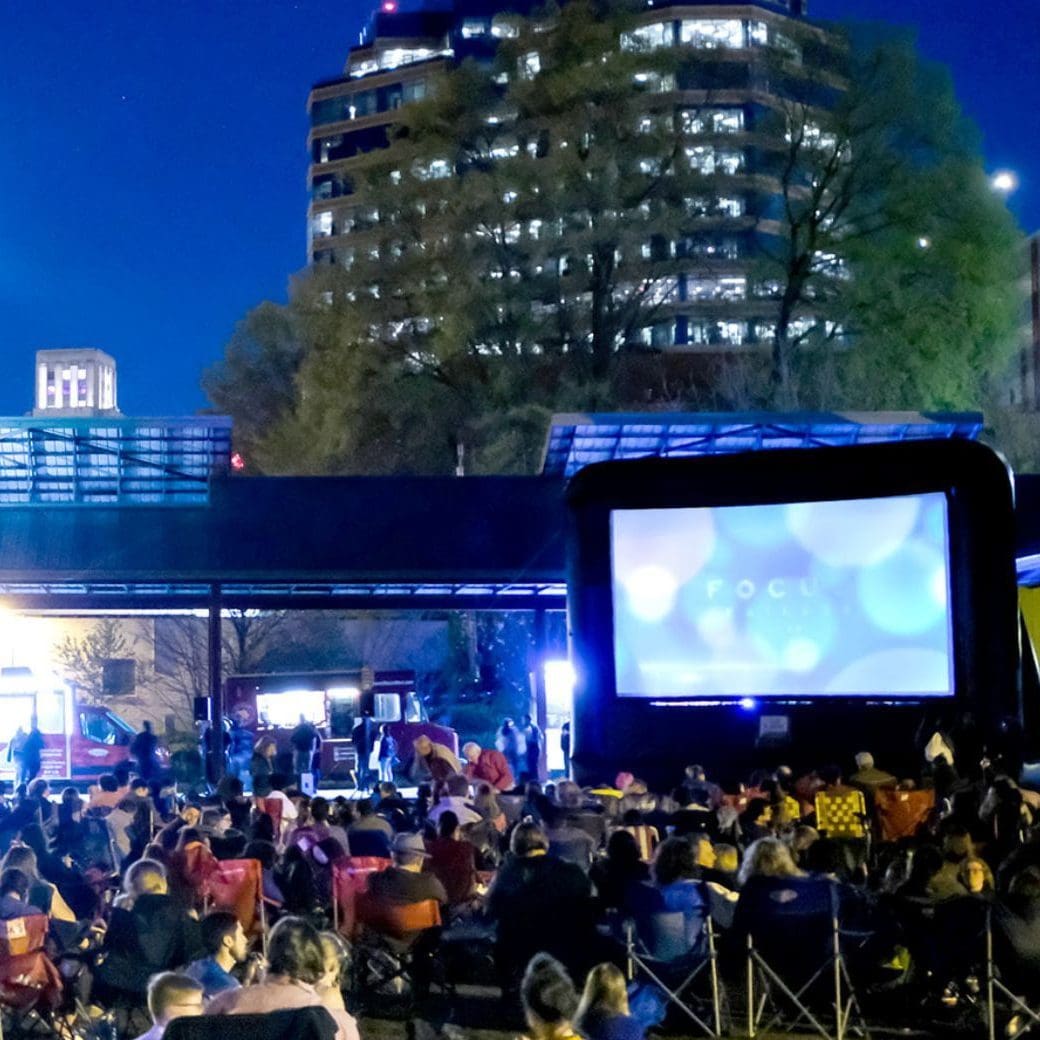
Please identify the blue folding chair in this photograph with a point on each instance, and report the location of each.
(794, 949)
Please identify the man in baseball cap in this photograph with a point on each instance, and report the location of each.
(405, 883)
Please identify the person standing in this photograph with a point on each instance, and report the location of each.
(361, 734)
(240, 750)
(387, 754)
(304, 740)
(532, 747)
(511, 743)
(16, 755)
(32, 753)
(565, 747)
(143, 747)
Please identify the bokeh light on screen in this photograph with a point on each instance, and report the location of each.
(842, 598)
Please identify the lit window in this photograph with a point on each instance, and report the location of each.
(655, 81)
(433, 170)
(647, 37)
(321, 226)
(712, 32)
(364, 68)
(712, 120)
(395, 57)
(503, 28)
(473, 27)
(758, 34)
(530, 65)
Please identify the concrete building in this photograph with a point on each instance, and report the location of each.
(75, 383)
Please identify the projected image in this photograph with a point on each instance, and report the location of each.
(818, 598)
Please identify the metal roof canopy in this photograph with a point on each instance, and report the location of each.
(297, 543)
(111, 459)
(576, 441)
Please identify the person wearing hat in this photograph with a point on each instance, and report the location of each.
(404, 882)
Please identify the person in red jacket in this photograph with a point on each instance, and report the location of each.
(488, 765)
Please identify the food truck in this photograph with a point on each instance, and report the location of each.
(82, 740)
(272, 704)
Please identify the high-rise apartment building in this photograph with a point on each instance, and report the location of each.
(745, 59)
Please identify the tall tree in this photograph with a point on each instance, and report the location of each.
(513, 248)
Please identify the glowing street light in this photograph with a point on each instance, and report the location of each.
(1004, 181)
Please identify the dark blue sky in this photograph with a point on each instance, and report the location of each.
(153, 164)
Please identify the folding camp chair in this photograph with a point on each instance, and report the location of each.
(656, 946)
(392, 941)
(900, 814)
(998, 987)
(31, 987)
(794, 942)
(273, 808)
(238, 885)
(349, 879)
(307, 1023)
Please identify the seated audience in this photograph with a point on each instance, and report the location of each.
(455, 799)
(404, 882)
(452, 860)
(540, 903)
(295, 967)
(618, 871)
(549, 1000)
(226, 946)
(171, 996)
(14, 895)
(603, 1010)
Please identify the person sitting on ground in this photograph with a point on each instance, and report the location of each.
(295, 967)
(404, 882)
(369, 834)
(488, 765)
(226, 946)
(431, 761)
(14, 895)
(148, 932)
(171, 995)
(455, 799)
(452, 860)
(603, 1012)
(540, 902)
(549, 1000)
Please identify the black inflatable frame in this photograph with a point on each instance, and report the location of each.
(612, 733)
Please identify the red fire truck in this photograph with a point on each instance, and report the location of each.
(271, 704)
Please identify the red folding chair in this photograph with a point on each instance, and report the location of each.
(273, 808)
(349, 881)
(29, 981)
(238, 885)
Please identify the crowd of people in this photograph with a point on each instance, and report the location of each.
(544, 876)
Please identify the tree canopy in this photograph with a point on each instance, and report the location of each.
(519, 244)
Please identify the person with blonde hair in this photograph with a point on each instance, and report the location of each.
(603, 1012)
(767, 857)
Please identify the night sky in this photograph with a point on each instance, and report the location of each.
(153, 164)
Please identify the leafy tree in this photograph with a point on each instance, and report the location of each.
(83, 660)
(513, 249)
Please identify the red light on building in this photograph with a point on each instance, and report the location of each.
(389, 7)
(237, 462)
